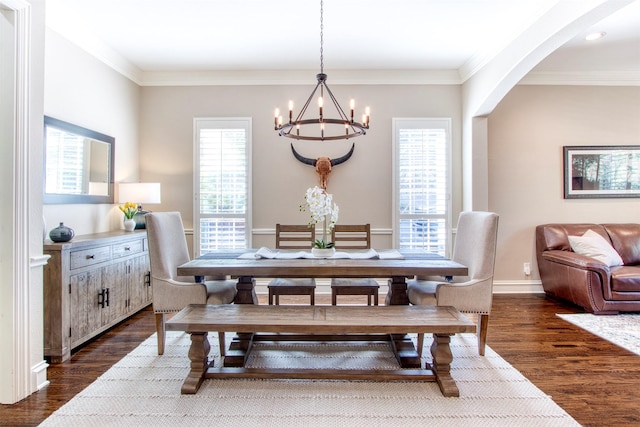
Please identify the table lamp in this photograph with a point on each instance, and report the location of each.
(139, 192)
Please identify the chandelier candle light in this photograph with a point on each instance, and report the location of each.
(344, 127)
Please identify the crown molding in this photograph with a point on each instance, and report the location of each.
(299, 77)
(98, 50)
(336, 77)
(582, 78)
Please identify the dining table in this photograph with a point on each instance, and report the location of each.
(395, 265)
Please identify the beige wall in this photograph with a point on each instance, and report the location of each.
(527, 131)
(361, 186)
(84, 91)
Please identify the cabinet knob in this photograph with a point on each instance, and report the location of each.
(90, 256)
(127, 248)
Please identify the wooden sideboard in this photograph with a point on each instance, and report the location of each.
(90, 284)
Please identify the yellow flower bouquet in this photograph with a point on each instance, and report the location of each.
(129, 209)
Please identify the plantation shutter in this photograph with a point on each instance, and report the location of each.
(422, 182)
(222, 184)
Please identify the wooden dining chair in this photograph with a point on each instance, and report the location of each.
(353, 237)
(293, 237)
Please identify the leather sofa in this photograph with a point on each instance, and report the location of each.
(583, 280)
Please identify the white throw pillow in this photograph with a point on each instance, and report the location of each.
(593, 245)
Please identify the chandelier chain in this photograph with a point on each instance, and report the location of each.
(321, 37)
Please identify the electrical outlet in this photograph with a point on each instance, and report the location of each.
(527, 269)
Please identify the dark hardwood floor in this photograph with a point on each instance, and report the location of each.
(597, 382)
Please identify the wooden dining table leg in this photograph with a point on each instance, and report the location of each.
(240, 347)
(397, 294)
(402, 344)
(246, 288)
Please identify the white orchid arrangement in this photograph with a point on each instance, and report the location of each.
(320, 205)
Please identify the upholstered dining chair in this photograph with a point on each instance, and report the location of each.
(475, 247)
(293, 237)
(358, 236)
(171, 293)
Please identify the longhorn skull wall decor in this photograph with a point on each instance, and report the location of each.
(323, 165)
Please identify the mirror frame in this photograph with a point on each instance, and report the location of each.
(57, 198)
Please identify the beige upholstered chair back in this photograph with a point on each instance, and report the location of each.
(167, 245)
(167, 251)
(475, 244)
(475, 247)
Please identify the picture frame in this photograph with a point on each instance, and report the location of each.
(593, 172)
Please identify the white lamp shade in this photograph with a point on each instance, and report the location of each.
(139, 192)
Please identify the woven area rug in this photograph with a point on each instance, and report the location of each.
(621, 329)
(143, 389)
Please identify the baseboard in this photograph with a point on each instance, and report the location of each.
(517, 287)
(39, 371)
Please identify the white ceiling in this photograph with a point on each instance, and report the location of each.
(145, 39)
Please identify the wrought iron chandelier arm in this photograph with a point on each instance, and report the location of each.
(341, 112)
(306, 104)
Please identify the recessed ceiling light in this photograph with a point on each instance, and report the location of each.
(595, 36)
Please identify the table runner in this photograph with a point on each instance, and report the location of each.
(267, 253)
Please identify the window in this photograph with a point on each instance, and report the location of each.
(222, 182)
(422, 182)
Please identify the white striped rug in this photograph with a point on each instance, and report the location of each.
(143, 389)
(620, 329)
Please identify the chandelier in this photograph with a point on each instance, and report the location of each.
(322, 128)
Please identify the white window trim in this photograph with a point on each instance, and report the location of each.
(220, 121)
(422, 123)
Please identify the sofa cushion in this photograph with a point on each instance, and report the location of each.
(625, 279)
(554, 236)
(593, 245)
(625, 238)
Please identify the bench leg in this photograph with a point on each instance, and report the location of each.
(199, 356)
(441, 364)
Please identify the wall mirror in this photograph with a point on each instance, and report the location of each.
(78, 164)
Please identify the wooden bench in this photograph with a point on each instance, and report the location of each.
(390, 323)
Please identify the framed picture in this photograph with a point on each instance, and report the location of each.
(601, 171)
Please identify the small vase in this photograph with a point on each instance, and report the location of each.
(61, 233)
(323, 252)
(129, 224)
